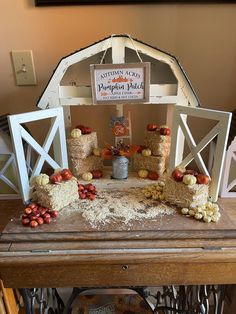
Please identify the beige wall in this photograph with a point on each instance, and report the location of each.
(203, 37)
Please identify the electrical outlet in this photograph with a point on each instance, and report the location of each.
(24, 67)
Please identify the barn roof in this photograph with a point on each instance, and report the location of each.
(50, 95)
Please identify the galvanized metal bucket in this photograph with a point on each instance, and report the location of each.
(120, 167)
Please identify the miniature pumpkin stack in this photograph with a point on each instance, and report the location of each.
(84, 154)
(154, 156)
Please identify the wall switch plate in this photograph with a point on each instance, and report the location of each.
(23, 67)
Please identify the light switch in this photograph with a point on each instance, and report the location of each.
(24, 67)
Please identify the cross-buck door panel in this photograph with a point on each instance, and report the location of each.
(55, 135)
(9, 163)
(219, 132)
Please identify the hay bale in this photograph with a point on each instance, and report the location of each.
(150, 163)
(182, 195)
(57, 196)
(80, 166)
(159, 144)
(83, 146)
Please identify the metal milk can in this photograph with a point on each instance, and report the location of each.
(120, 167)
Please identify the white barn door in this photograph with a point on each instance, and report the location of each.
(229, 183)
(56, 134)
(219, 132)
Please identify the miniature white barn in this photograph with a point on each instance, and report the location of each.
(71, 82)
(70, 85)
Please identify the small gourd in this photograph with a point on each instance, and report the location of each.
(185, 211)
(76, 133)
(42, 179)
(97, 151)
(146, 152)
(143, 173)
(87, 176)
(189, 179)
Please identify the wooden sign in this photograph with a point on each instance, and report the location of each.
(120, 83)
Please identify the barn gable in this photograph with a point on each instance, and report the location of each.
(70, 82)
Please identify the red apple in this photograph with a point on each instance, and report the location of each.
(153, 175)
(86, 130)
(32, 205)
(33, 224)
(55, 178)
(28, 210)
(66, 174)
(40, 220)
(97, 174)
(82, 195)
(80, 187)
(178, 175)
(33, 217)
(54, 213)
(92, 197)
(47, 215)
(164, 131)
(89, 187)
(25, 221)
(42, 210)
(151, 127)
(34, 209)
(202, 179)
(47, 220)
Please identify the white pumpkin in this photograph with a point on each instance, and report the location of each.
(189, 179)
(42, 179)
(185, 211)
(146, 152)
(76, 133)
(87, 176)
(143, 173)
(97, 151)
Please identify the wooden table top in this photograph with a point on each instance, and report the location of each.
(171, 250)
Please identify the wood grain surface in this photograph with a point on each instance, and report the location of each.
(96, 275)
(74, 227)
(68, 252)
